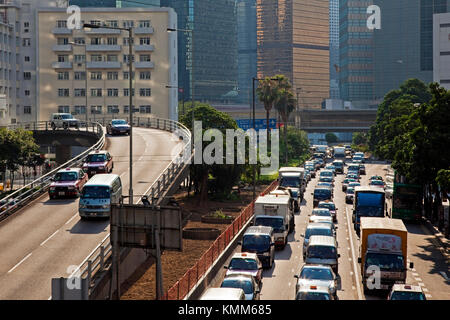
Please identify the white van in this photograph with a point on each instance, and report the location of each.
(98, 194)
(223, 294)
(322, 250)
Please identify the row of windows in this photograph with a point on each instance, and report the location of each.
(111, 109)
(110, 23)
(97, 75)
(112, 41)
(80, 58)
(97, 92)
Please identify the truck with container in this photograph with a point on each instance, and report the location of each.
(293, 178)
(339, 153)
(368, 202)
(383, 253)
(274, 211)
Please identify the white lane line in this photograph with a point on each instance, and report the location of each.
(20, 263)
(355, 266)
(425, 290)
(415, 274)
(418, 279)
(428, 295)
(49, 237)
(422, 284)
(75, 215)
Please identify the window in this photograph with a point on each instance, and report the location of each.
(96, 58)
(62, 41)
(61, 24)
(112, 23)
(63, 92)
(96, 41)
(27, 110)
(145, 109)
(26, 42)
(26, 24)
(126, 110)
(96, 109)
(113, 92)
(128, 24)
(126, 92)
(79, 40)
(113, 75)
(144, 58)
(113, 109)
(112, 58)
(126, 41)
(112, 41)
(63, 58)
(145, 75)
(27, 59)
(126, 77)
(96, 92)
(27, 93)
(144, 24)
(96, 22)
(63, 109)
(96, 76)
(80, 75)
(80, 92)
(144, 41)
(80, 109)
(79, 58)
(27, 76)
(126, 58)
(145, 92)
(63, 75)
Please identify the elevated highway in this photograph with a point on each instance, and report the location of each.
(47, 239)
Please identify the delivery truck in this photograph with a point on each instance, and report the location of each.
(383, 253)
(293, 178)
(272, 206)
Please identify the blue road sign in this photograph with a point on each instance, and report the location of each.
(246, 124)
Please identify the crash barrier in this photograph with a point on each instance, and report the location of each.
(190, 279)
(99, 260)
(24, 195)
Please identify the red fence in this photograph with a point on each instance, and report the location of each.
(182, 287)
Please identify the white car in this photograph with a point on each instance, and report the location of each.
(317, 275)
(319, 215)
(63, 120)
(406, 292)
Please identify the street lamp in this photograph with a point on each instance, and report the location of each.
(130, 61)
(85, 79)
(192, 72)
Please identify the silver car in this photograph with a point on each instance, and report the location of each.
(317, 229)
(317, 275)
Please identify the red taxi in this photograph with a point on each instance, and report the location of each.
(67, 183)
(99, 161)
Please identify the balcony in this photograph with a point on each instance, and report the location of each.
(144, 65)
(148, 30)
(62, 48)
(103, 47)
(104, 65)
(62, 65)
(102, 31)
(61, 31)
(144, 48)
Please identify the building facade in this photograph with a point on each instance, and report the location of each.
(403, 47)
(356, 69)
(441, 49)
(69, 61)
(334, 49)
(293, 39)
(215, 49)
(115, 3)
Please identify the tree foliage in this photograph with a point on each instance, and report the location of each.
(331, 138)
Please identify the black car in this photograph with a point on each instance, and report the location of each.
(321, 194)
(118, 126)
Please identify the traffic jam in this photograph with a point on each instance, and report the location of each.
(379, 265)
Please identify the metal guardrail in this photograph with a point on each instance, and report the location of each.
(22, 196)
(97, 260)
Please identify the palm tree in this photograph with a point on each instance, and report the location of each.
(285, 104)
(267, 94)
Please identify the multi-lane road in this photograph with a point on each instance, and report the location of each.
(431, 270)
(47, 238)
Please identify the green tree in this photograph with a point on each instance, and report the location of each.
(331, 138)
(267, 93)
(285, 104)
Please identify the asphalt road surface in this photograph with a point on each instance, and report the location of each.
(47, 238)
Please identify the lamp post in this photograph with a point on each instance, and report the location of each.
(130, 61)
(180, 89)
(191, 31)
(85, 79)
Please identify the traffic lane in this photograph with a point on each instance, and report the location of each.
(74, 242)
(431, 269)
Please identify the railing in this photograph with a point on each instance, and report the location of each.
(22, 196)
(96, 261)
(183, 286)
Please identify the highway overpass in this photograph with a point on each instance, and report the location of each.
(46, 239)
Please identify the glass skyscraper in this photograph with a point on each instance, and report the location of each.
(214, 23)
(115, 3)
(334, 49)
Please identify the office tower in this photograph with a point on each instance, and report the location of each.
(441, 49)
(293, 39)
(68, 57)
(334, 49)
(247, 55)
(115, 3)
(355, 51)
(94, 3)
(403, 47)
(214, 23)
(137, 3)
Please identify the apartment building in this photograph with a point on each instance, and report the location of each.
(92, 65)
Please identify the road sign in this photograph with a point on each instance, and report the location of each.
(260, 124)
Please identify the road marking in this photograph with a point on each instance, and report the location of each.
(50, 237)
(421, 284)
(355, 267)
(20, 263)
(428, 295)
(424, 289)
(75, 215)
(418, 279)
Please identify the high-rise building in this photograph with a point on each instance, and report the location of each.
(137, 3)
(246, 37)
(403, 47)
(293, 39)
(356, 78)
(214, 37)
(115, 3)
(93, 3)
(334, 49)
(441, 49)
(71, 61)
